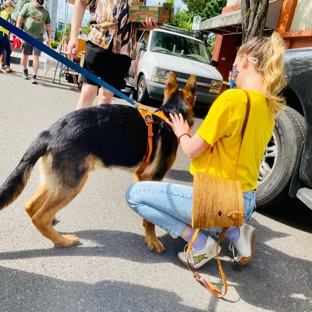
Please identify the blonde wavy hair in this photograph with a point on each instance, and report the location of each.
(269, 51)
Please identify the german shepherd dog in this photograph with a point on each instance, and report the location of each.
(105, 136)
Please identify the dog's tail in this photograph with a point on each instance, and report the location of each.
(16, 181)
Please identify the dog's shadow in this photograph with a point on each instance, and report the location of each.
(103, 243)
(38, 292)
(253, 283)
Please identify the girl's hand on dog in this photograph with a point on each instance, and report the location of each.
(178, 124)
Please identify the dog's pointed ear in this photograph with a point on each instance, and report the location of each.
(171, 85)
(191, 85)
(190, 89)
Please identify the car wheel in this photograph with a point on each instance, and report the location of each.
(142, 95)
(279, 160)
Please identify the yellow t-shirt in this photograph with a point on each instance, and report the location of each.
(5, 15)
(222, 129)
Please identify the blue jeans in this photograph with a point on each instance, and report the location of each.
(169, 206)
(5, 45)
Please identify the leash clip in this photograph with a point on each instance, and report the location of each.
(148, 118)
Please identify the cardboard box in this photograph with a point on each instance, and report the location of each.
(162, 14)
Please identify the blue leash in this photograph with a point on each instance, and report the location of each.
(44, 48)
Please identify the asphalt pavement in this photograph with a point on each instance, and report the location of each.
(111, 269)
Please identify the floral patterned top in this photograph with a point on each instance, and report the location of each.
(111, 28)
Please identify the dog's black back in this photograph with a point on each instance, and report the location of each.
(114, 134)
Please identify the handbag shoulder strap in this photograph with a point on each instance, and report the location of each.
(212, 288)
(242, 137)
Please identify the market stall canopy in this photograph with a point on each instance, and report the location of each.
(230, 23)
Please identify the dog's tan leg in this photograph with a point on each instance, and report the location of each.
(135, 177)
(44, 205)
(43, 219)
(152, 242)
(36, 202)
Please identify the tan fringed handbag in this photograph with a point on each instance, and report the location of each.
(217, 202)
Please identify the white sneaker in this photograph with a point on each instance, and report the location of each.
(245, 245)
(198, 258)
(25, 73)
(34, 80)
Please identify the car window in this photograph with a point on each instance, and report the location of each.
(180, 46)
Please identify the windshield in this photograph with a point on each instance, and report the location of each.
(181, 46)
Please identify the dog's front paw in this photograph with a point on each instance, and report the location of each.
(155, 245)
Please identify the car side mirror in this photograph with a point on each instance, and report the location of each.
(214, 63)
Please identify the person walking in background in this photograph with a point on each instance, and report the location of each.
(259, 70)
(5, 44)
(110, 47)
(2, 61)
(35, 18)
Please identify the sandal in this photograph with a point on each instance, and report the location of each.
(1, 71)
(9, 70)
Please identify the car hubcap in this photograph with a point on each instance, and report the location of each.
(141, 88)
(269, 160)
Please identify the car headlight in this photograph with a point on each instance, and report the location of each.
(161, 72)
(159, 79)
(216, 84)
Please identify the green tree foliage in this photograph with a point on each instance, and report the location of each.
(195, 5)
(214, 8)
(203, 8)
(86, 29)
(68, 30)
(183, 19)
(58, 35)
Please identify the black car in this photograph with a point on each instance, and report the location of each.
(286, 168)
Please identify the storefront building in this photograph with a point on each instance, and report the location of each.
(290, 18)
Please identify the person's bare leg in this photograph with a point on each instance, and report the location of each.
(25, 61)
(88, 94)
(187, 230)
(35, 64)
(2, 59)
(105, 96)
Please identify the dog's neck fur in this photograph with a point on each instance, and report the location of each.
(170, 106)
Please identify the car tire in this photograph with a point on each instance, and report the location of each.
(142, 95)
(279, 161)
